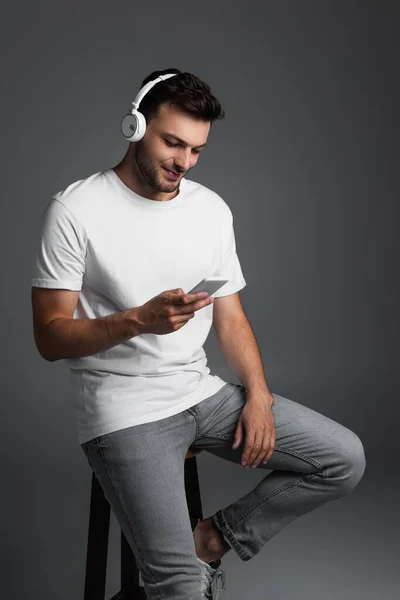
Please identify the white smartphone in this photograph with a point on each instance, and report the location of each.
(209, 285)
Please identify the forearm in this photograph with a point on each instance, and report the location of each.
(76, 338)
(238, 343)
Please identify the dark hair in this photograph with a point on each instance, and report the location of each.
(186, 90)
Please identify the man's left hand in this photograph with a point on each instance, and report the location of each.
(257, 421)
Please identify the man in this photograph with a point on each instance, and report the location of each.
(117, 252)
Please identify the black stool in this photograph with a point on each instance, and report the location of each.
(97, 547)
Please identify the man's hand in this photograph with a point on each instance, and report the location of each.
(257, 420)
(169, 311)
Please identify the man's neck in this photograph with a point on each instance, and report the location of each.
(126, 173)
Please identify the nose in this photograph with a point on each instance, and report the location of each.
(183, 160)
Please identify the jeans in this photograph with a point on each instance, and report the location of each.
(141, 471)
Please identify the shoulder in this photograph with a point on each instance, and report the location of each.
(207, 198)
(81, 199)
(80, 190)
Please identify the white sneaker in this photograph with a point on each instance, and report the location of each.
(212, 580)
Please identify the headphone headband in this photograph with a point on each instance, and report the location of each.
(148, 87)
(133, 125)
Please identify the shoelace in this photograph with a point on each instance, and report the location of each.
(214, 580)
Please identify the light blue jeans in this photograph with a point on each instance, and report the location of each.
(141, 471)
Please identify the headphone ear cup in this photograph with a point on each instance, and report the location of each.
(133, 126)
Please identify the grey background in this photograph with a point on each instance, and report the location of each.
(307, 159)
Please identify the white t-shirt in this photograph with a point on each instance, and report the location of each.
(119, 250)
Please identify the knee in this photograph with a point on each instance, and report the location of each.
(351, 456)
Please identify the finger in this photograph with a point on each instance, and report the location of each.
(255, 447)
(258, 450)
(267, 449)
(193, 302)
(250, 433)
(238, 435)
(271, 448)
(263, 451)
(181, 318)
(189, 298)
(179, 297)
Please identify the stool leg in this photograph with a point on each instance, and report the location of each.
(129, 573)
(192, 487)
(97, 547)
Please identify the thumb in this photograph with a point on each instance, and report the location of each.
(238, 434)
(174, 291)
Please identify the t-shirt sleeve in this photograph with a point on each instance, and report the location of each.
(59, 261)
(229, 264)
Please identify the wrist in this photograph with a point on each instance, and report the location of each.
(133, 322)
(255, 394)
(122, 326)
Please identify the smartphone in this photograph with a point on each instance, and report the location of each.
(209, 285)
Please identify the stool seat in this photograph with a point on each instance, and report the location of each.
(97, 545)
(192, 452)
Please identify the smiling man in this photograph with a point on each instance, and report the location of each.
(154, 166)
(118, 252)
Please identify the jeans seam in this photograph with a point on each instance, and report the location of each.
(308, 459)
(284, 449)
(126, 514)
(194, 414)
(226, 532)
(274, 493)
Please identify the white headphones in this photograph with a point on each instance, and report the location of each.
(133, 125)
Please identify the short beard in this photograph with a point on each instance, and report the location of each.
(149, 172)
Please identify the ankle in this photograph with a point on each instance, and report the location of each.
(209, 543)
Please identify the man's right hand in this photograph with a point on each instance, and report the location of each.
(169, 311)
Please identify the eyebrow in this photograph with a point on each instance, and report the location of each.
(182, 141)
